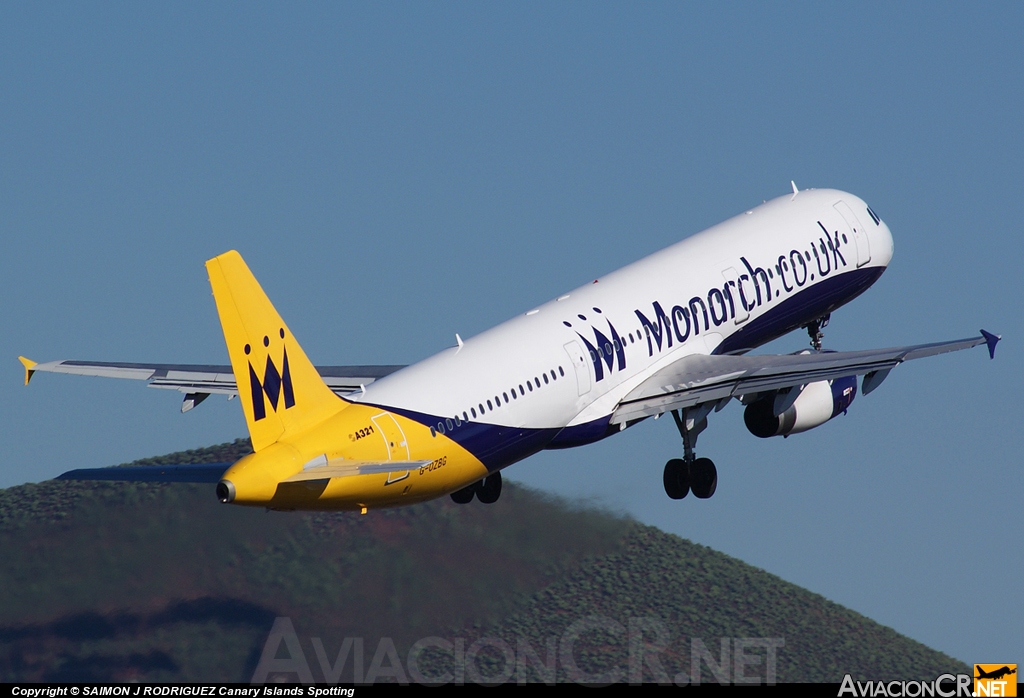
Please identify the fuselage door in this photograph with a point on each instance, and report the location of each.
(395, 441)
(860, 234)
(579, 364)
(732, 283)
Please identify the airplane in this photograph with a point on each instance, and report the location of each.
(671, 332)
(995, 674)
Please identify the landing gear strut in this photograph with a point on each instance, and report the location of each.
(689, 473)
(487, 490)
(814, 330)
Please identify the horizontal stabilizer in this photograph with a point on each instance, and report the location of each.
(348, 468)
(207, 472)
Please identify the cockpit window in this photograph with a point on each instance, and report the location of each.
(874, 216)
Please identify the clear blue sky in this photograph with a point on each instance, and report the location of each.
(396, 173)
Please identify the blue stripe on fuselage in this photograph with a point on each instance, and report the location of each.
(794, 312)
(582, 434)
(494, 445)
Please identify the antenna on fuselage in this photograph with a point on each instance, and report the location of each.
(795, 190)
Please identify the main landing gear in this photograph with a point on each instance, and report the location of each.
(487, 490)
(689, 473)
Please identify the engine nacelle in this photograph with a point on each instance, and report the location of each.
(817, 403)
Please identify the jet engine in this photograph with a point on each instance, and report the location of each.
(783, 413)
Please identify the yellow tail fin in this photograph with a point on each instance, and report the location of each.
(281, 392)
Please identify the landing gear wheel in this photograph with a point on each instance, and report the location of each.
(814, 330)
(703, 478)
(489, 489)
(465, 495)
(677, 479)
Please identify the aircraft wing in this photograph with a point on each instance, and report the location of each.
(206, 472)
(213, 472)
(701, 379)
(199, 381)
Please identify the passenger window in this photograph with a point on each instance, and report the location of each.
(472, 411)
(513, 393)
(448, 423)
(465, 417)
(458, 422)
(529, 385)
(553, 376)
(521, 391)
(489, 405)
(560, 371)
(433, 432)
(545, 378)
(481, 408)
(440, 428)
(505, 395)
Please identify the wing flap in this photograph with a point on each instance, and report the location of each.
(700, 378)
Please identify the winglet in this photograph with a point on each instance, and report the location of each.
(990, 339)
(29, 365)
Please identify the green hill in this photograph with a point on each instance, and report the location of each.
(139, 581)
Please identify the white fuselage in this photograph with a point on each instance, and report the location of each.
(727, 289)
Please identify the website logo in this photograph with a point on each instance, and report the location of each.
(995, 679)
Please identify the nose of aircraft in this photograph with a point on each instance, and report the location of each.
(881, 243)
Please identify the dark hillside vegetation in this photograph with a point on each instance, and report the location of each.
(160, 582)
